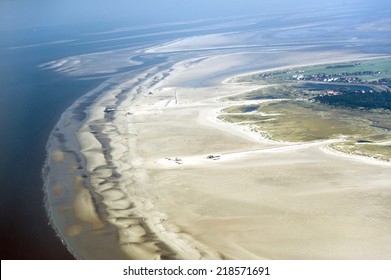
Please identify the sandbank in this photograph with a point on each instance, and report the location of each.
(254, 199)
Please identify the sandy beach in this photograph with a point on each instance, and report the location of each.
(178, 183)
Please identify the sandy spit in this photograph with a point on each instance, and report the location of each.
(252, 200)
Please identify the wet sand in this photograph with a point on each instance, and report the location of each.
(254, 199)
(142, 168)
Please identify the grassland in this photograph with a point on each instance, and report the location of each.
(301, 121)
(298, 118)
(381, 69)
(275, 91)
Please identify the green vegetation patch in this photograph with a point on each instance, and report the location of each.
(242, 109)
(243, 118)
(367, 71)
(273, 92)
(382, 152)
(303, 121)
(353, 99)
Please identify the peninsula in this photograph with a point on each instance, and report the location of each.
(226, 147)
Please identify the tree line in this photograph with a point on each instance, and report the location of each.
(354, 99)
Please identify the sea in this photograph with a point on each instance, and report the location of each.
(33, 98)
(32, 101)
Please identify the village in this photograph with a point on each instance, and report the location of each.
(381, 84)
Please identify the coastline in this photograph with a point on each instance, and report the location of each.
(47, 197)
(148, 223)
(65, 162)
(147, 170)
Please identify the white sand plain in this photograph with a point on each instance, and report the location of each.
(256, 200)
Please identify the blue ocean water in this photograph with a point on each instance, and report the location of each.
(31, 102)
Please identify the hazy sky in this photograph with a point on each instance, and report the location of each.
(33, 13)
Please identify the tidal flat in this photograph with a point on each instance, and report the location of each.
(182, 158)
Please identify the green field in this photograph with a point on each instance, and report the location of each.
(276, 91)
(298, 121)
(379, 65)
(298, 118)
